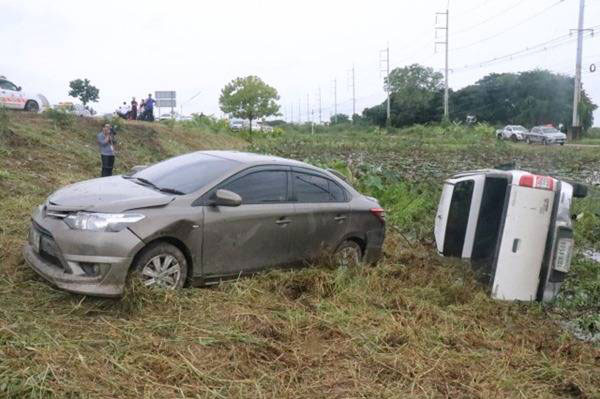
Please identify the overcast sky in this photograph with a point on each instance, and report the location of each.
(131, 48)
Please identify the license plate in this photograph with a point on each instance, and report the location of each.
(564, 250)
(35, 240)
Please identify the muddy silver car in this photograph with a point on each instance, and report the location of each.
(199, 218)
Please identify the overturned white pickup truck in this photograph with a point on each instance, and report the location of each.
(515, 228)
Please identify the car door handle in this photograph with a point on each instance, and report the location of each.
(283, 221)
(340, 218)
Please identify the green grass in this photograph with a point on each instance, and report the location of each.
(415, 326)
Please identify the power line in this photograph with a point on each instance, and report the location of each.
(509, 28)
(544, 46)
(504, 11)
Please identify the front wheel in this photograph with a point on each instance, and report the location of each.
(32, 106)
(348, 254)
(161, 265)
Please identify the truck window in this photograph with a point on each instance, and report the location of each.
(458, 218)
(488, 225)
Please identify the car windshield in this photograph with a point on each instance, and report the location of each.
(547, 130)
(186, 173)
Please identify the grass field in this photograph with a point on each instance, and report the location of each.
(414, 326)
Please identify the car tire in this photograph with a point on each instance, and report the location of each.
(544, 142)
(528, 140)
(348, 254)
(32, 106)
(499, 136)
(161, 265)
(513, 138)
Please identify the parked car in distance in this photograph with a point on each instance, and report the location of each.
(75, 109)
(546, 135)
(511, 132)
(13, 97)
(238, 124)
(199, 218)
(513, 226)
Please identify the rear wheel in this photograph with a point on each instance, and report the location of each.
(348, 254)
(161, 265)
(499, 136)
(513, 138)
(32, 106)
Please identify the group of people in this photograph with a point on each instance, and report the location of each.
(143, 111)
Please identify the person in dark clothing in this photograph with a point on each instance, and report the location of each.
(134, 109)
(106, 141)
(142, 109)
(149, 109)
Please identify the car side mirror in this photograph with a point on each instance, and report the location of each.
(226, 198)
(19, 88)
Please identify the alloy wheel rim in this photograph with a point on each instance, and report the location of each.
(348, 257)
(162, 271)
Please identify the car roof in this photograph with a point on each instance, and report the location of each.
(250, 158)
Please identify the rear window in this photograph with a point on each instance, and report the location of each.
(187, 173)
(312, 189)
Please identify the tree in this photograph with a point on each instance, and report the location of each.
(415, 97)
(528, 98)
(339, 118)
(249, 98)
(83, 90)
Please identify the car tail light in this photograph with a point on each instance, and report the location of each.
(379, 214)
(535, 181)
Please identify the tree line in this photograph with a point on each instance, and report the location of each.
(527, 98)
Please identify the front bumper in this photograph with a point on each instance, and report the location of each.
(90, 263)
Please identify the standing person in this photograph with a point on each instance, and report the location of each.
(142, 109)
(134, 108)
(149, 108)
(106, 141)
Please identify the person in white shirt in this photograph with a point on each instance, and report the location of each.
(124, 110)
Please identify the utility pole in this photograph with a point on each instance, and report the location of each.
(576, 128)
(291, 113)
(352, 84)
(320, 118)
(335, 114)
(445, 43)
(307, 106)
(299, 111)
(386, 60)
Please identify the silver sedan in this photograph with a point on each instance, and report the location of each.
(199, 218)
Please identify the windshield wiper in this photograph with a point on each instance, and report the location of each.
(147, 182)
(170, 190)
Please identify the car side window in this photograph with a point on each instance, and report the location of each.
(263, 187)
(310, 189)
(6, 85)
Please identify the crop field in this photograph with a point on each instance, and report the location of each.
(416, 325)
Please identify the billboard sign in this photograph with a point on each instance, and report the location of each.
(165, 99)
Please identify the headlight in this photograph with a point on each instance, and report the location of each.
(112, 222)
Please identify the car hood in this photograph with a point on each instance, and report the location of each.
(107, 194)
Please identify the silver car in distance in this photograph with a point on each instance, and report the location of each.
(197, 219)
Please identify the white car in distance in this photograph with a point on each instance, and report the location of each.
(512, 132)
(13, 97)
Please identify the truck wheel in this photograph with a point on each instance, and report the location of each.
(32, 106)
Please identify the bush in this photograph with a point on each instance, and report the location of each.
(60, 118)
